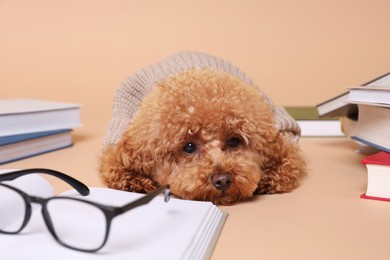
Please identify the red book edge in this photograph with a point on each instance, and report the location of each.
(381, 158)
(364, 196)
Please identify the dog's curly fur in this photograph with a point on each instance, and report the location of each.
(198, 124)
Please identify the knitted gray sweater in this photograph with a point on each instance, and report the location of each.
(132, 91)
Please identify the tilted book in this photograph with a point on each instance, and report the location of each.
(340, 106)
(378, 172)
(179, 229)
(21, 116)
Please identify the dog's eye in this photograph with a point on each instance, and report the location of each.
(189, 148)
(233, 142)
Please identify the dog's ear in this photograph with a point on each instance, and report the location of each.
(130, 164)
(282, 167)
(280, 160)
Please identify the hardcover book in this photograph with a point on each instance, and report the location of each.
(377, 96)
(17, 147)
(373, 127)
(21, 116)
(378, 172)
(339, 106)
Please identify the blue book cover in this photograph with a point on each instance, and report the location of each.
(23, 137)
(17, 147)
(377, 146)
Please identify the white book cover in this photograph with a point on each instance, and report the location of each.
(379, 96)
(20, 116)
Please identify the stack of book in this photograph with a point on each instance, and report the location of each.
(31, 127)
(346, 109)
(372, 129)
(365, 113)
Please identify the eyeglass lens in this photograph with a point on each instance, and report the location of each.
(13, 210)
(77, 224)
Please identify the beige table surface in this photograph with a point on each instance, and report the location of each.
(323, 219)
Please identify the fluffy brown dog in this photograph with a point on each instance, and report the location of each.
(210, 136)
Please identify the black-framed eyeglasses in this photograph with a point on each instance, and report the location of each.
(16, 209)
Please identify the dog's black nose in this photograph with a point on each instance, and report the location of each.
(222, 181)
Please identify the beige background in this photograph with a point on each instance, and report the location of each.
(299, 52)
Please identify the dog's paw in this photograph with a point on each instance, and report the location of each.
(129, 182)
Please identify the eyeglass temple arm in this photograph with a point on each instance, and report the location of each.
(77, 185)
(147, 198)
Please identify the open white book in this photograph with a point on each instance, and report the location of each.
(179, 229)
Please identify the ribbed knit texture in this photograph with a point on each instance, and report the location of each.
(132, 91)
